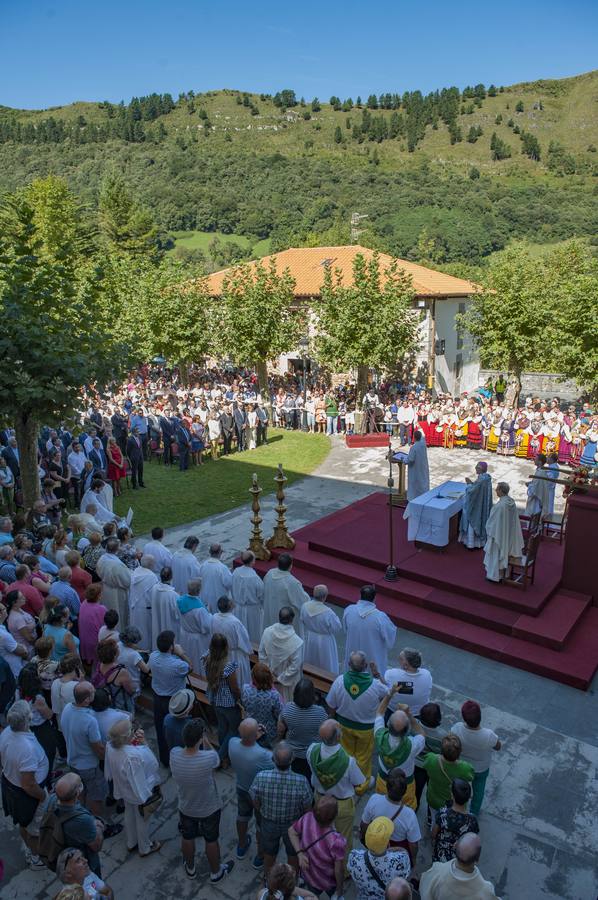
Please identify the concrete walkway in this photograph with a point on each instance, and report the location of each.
(538, 825)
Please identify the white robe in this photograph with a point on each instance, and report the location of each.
(185, 566)
(102, 514)
(538, 494)
(107, 495)
(116, 581)
(248, 595)
(161, 554)
(196, 633)
(370, 630)
(283, 589)
(165, 610)
(320, 624)
(282, 650)
(553, 472)
(216, 580)
(504, 537)
(239, 645)
(140, 604)
(418, 480)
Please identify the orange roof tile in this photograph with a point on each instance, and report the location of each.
(306, 265)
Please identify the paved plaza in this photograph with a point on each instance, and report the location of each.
(538, 825)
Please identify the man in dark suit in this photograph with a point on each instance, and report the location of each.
(262, 425)
(228, 426)
(119, 430)
(166, 427)
(11, 455)
(183, 438)
(135, 454)
(97, 456)
(240, 417)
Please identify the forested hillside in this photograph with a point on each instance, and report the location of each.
(451, 176)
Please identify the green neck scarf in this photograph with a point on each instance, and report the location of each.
(392, 756)
(356, 683)
(329, 771)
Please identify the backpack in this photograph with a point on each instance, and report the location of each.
(118, 696)
(51, 836)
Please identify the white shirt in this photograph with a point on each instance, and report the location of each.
(477, 745)
(134, 771)
(418, 743)
(406, 824)
(345, 786)
(130, 659)
(7, 646)
(20, 751)
(422, 688)
(107, 718)
(363, 709)
(162, 555)
(61, 693)
(77, 462)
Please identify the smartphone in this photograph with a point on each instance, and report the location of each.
(405, 687)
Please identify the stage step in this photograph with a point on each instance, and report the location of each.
(559, 617)
(367, 440)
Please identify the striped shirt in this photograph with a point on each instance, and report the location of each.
(303, 726)
(193, 775)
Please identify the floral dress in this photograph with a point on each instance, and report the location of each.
(453, 825)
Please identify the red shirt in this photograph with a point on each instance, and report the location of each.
(34, 598)
(79, 580)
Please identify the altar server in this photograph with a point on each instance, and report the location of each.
(216, 578)
(225, 622)
(143, 580)
(165, 610)
(283, 589)
(281, 649)
(504, 537)
(196, 626)
(247, 589)
(185, 565)
(116, 581)
(320, 625)
(553, 472)
(538, 490)
(369, 629)
(477, 504)
(418, 481)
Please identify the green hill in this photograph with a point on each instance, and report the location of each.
(464, 171)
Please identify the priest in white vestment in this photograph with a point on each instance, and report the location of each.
(185, 564)
(503, 529)
(155, 547)
(239, 646)
(116, 581)
(94, 496)
(165, 610)
(196, 626)
(140, 600)
(320, 625)
(538, 490)
(282, 651)
(368, 629)
(283, 589)
(216, 579)
(247, 589)
(418, 478)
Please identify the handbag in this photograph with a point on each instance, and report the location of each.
(373, 872)
(153, 803)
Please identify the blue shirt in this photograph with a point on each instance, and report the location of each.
(8, 571)
(173, 729)
(248, 761)
(169, 673)
(47, 566)
(139, 422)
(6, 537)
(80, 729)
(68, 596)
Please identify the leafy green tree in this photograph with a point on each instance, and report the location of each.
(369, 323)
(125, 225)
(530, 146)
(338, 135)
(372, 102)
(508, 319)
(54, 338)
(315, 105)
(474, 173)
(492, 91)
(519, 106)
(257, 319)
(498, 148)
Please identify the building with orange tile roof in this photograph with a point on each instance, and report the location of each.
(448, 356)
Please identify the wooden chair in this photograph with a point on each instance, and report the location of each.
(531, 525)
(156, 451)
(174, 451)
(554, 524)
(523, 569)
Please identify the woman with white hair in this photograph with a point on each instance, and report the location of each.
(24, 772)
(134, 771)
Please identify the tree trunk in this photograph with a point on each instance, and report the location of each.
(26, 429)
(362, 382)
(184, 373)
(262, 378)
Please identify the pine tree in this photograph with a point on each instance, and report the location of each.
(315, 105)
(338, 135)
(519, 106)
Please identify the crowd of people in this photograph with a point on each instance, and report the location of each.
(222, 410)
(89, 624)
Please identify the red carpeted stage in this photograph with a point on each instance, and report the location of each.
(546, 629)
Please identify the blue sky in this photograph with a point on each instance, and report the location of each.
(58, 51)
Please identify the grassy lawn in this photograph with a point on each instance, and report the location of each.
(200, 240)
(173, 497)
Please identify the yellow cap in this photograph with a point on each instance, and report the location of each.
(378, 834)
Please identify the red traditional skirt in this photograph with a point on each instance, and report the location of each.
(474, 436)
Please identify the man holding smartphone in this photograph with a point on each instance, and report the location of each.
(397, 744)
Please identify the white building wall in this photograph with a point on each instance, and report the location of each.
(457, 369)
